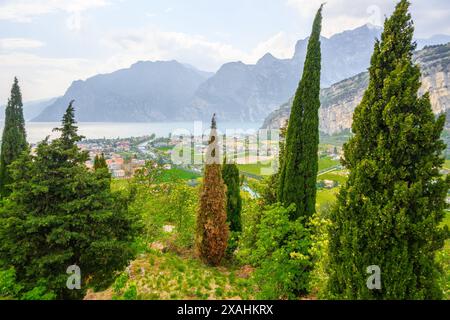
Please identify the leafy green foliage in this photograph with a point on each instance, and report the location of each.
(297, 179)
(319, 225)
(280, 253)
(150, 175)
(14, 137)
(40, 292)
(165, 203)
(389, 212)
(8, 285)
(60, 214)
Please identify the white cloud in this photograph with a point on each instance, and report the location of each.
(25, 11)
(281, 45)
(130, 46)
(340, 15)
(152, 44)
(19, 43)
(41, 77)
(430, 17)
(46, 77)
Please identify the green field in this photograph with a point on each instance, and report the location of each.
(177, 174)
(164, 148)
(337, 176)
(336, 139)
(326, 196)
(326, 162)
(447, 165)
(255, 168)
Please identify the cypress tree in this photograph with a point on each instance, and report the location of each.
(230, 174)
(100, 162)
(61, 214)
(14, 137)
(389, 211)
(298, 175)
(212, 228)
(270, 184)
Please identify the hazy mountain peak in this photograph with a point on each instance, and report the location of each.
(371, 26)
(146, 91)
(267, 58)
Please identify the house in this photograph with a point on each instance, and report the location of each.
(329, 184)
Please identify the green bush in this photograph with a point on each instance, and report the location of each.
(319, 224)
(173, 204)
(39, 293)
(8, 285)
(131, 292)
(11, 289)
(280, 254)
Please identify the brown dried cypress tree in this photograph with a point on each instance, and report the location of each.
(212, 228)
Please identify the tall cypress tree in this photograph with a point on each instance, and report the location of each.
(14, 137)
(212, 229)
(230, 174)
(298, 175)
(389, 211)
(100, 162)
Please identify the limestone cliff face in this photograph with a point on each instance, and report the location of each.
(339, 100)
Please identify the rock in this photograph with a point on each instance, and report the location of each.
(158, 246)
(168, 228)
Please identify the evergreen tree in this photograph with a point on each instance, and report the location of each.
(61, 214)
(269, 189)
(389, 211)
(69, 131)
(100, 162)
(14, 137)
(298, 175)
(230, 174)
(212, 228)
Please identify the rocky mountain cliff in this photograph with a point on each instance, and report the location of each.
(339, 100)
(250, 92)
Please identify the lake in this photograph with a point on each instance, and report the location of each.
(37, 131)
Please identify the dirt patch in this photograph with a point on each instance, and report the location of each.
(245, 272)
(102, 295)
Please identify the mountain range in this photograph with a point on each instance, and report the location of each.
(172, 91)
(339, 100)
(31, 109)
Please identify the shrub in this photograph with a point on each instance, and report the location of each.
(319, 224)
(280, 253)
(8, 285)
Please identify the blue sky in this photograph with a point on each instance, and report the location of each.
(49, 43)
